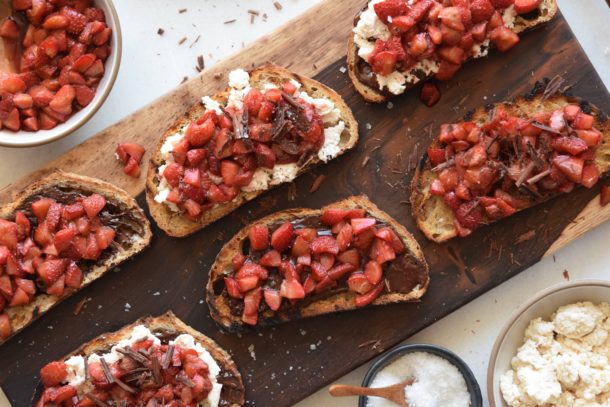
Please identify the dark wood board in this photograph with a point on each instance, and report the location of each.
(285, 364)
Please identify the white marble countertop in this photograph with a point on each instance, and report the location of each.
(156, 64)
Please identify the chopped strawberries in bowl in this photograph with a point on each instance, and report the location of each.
(62, 50)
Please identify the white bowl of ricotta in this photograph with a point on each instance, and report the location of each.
(555, 349)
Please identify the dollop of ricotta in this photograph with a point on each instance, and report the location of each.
(564, 361)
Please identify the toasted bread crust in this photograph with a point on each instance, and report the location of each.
(219, 305)
(548, 10)
(435, 219)
(176, 224)
(167, 322)
(24, 315)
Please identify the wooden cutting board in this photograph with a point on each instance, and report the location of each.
(285, 364)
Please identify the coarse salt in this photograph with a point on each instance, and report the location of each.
(437, 382)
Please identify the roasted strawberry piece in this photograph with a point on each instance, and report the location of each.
(282, 236)
(430, 95)
(349, 256)
(358, 283)
(252, 302)
(52, 374)
(272, 298)
(130, 154)
(93, 205)
(341, 270)
(233, 287)
(361, 224)
(292, 289)
(259, 237)
(571, 167)
(526, 6)
(5, 326)
(324, 244)
(271, 259)
(504, 38)
(369, 297)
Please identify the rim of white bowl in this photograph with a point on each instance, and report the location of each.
(21, 137)
(517, 313)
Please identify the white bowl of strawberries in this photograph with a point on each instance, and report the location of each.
(58, 62)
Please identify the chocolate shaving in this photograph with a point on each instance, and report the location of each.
(545, 128)
(291, 101)
(200, 62)
(277, 5)
(181, 40)
(289, 146)
(168, 356)
(292, 191)
(566, 275)
(160, 31)
(182, 10)
(185, 380)
(552, 87)
(442, 166)
(156, 371)
(79, 306)
(86, 367)
(195, 42)
(279, 121)
(125, 386)
(230, 21)
(98, 402)
(530, 234)
(316, 183)
(107, 372)
(525, 173)
(538, 176)
(138, 357)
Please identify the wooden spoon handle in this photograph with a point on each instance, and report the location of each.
(343, 390)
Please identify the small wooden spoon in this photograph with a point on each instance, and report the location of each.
(395, 393)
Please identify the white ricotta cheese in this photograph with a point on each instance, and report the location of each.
(239, 81)
(284, 173)
(481, 49)
(260, 180)
(508, 15)
(427, 66)
(395, 82)
(332, 138)
(324, 107)
(369, 27)
(211, 104)
(564, 361)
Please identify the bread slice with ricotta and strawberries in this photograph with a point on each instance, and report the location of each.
(150, 362)
(506, 158)
(300, 263)
(397, 44)
(59, 235)
(269, 126)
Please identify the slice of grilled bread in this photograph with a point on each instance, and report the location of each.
(23, 315)
(546, 11)
(178, 225)
(435, 219)
(219, 305)
(169, 324)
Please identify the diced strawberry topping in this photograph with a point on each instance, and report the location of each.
(53, 374)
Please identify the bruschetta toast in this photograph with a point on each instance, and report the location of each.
(151, 362)
(508, 157)
(269, 126)
(397, 44)
(300, 263)
(59, 235)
